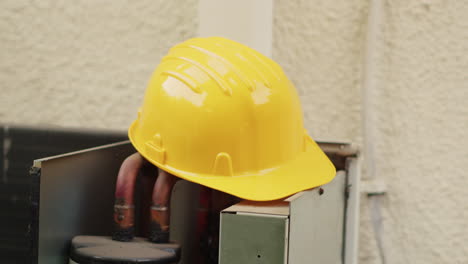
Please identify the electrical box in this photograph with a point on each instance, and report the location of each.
(314, 226)
(305, 228)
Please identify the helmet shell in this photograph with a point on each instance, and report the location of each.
(215, 109)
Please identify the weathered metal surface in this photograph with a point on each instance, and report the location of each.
(160, 209)
(124, 206)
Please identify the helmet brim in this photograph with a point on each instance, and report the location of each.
(307, 170)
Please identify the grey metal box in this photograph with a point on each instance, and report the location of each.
(305, 228)
(313, 226)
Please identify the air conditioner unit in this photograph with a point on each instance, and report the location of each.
(72, 193)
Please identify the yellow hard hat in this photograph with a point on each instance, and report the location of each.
(222, 115)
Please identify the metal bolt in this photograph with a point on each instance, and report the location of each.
(321, 191)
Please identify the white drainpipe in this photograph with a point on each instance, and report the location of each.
(371, 184)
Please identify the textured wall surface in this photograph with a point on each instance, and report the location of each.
(87, 64)
(84, 63)
(318, 44)
(423, 123)
(420, 107)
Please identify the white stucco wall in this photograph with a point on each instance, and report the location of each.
(420, 108)
(422, 126)
(86, 64)
(318, 44)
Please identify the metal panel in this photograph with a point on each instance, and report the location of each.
(19, 146)
(184, 209)
(76, 197)
(277, 207)
(352, 211)
(251, 238)
(316, 224)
